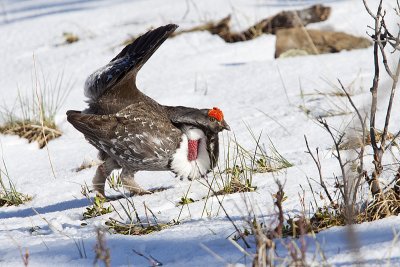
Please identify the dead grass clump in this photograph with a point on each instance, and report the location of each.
(13, 198)
(32, 131)
(33, 117)
(355, 142)
(123, 228)
(322, 219)
(9, 196)
(236, 185)
(70, 38)
(384, 205)
(131, 223)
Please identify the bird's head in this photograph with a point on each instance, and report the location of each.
(215, 120)
(209, 120)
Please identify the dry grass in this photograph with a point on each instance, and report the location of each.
(240, 164)
(130, 223)
(9, 196)
(123, 228)
(13, 198)
(102, 252)
(384, 205)
(388, 204)
(70, 38)
(33, 115)
(355, 141)
(32, 131)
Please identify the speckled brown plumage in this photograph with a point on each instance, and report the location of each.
(134, 132)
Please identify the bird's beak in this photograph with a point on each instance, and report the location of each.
(225, 125)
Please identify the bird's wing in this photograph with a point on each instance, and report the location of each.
(117, 79)
(136, 136)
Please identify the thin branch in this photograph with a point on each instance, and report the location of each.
(361, 172)
(337, 142)
(318, 164)
(389, 110)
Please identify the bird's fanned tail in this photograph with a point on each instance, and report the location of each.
(129, 60)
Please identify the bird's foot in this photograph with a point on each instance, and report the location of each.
(99, 191)
(137, 190)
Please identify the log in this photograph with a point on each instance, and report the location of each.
(315, 42)
(282, 20)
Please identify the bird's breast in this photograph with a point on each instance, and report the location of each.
(191, 159)
(193, 147)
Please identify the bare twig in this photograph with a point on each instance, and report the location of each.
(318, 164)
(361, 172)
(278, 203)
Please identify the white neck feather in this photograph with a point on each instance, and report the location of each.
(196, 168)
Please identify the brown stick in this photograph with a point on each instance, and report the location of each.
(381, 37)
(345, 193)
(374, 183)
(278, 204)
(318, 163)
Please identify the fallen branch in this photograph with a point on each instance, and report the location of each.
(270, 25)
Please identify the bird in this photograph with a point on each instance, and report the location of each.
(135, 133)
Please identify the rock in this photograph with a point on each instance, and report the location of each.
(316, 42)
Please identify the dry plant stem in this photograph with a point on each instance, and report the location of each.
(227, 215)
(375, 188)
(380, 37)
(346, 192)
(395, 79)
(318, 164)
(151, 260)
(80, 247)
(396, 186)
(278, 204)
(361, 172)
(41, 112)
(101, 250)
(263, 245)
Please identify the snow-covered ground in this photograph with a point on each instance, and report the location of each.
(194, 69)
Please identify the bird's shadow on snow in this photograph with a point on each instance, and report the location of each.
(30, 211)
(65, 205)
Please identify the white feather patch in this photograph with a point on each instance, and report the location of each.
(196, 168)
(91, 91)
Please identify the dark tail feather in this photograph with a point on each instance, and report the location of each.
(131, 58)
(145, 46)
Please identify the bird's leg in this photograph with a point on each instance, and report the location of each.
(102, 172)
(127, 178)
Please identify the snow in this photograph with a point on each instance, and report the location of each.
(194, 69)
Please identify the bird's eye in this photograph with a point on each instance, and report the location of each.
(212, 119)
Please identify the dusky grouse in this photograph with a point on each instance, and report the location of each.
(134, 132)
